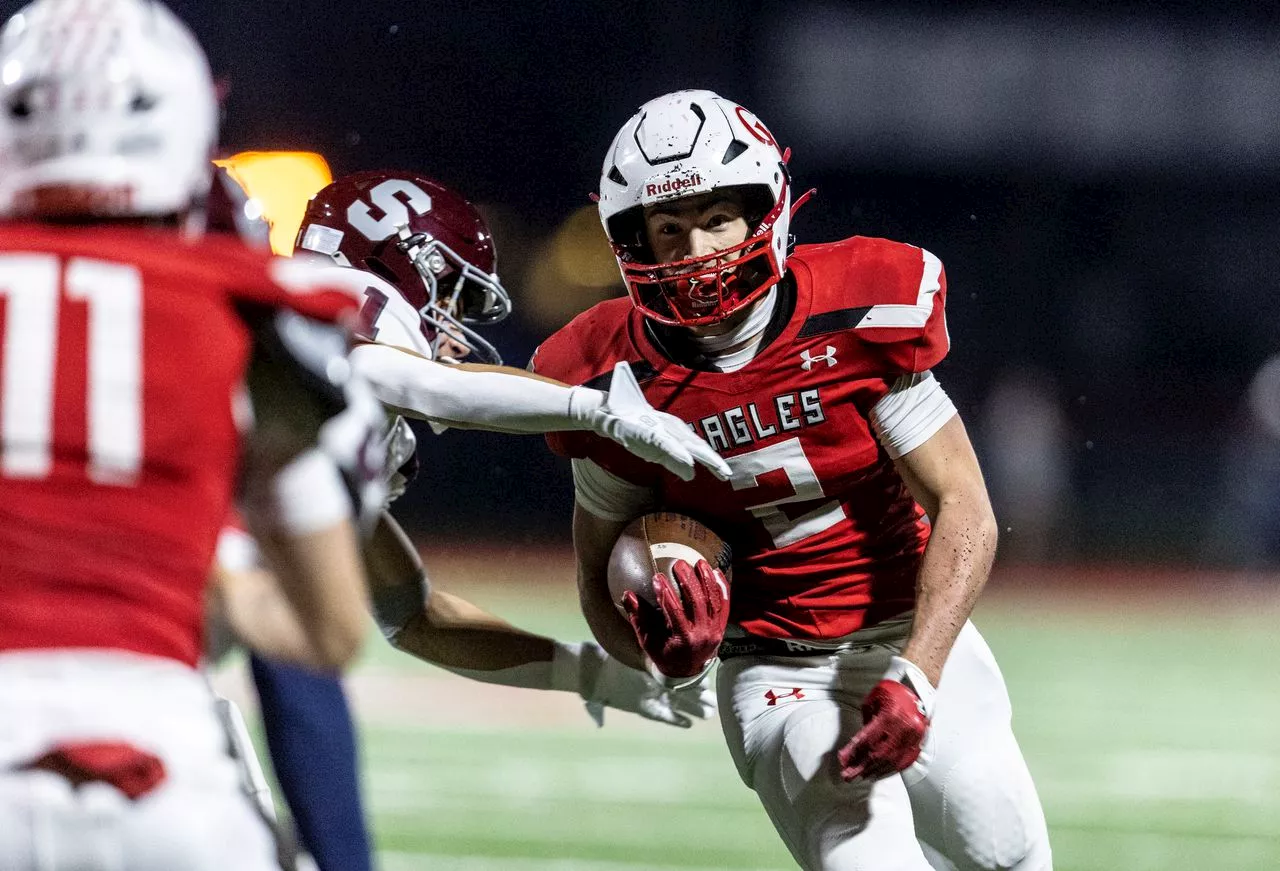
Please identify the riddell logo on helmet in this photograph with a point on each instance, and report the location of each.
(672, 185)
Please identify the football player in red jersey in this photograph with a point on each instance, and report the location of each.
(856, 698)
(125, 434)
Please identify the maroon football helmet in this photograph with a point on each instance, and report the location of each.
(428, 241)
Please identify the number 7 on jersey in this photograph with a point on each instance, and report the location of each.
(787, 457)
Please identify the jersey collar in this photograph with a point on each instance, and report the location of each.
(675, 358)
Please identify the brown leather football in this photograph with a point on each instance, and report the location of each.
(651, 543)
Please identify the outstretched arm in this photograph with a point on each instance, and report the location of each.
(471, 396)
(515, 401)
(451, 632)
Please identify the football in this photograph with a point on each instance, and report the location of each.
(651, 543)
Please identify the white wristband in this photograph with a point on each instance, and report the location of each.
(584, 406)
(906, 672)
(308, 495)
(680, 683)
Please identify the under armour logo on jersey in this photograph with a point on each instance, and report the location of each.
(807, 358)
(774, 698)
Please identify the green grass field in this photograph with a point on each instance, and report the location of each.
(1153, 735)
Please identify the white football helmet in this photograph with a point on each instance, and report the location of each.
(107, 109)
(678, 145)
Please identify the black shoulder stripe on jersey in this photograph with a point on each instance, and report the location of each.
(642, 369)
(833, 322)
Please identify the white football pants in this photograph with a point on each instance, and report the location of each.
(197, 819)
(968, 804)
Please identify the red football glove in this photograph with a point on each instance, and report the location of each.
(682, 634)
(894, 723)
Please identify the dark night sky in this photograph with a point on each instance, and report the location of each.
(1143, 287)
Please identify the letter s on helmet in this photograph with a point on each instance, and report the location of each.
(679, 145)
(107, 109)
(422, 237)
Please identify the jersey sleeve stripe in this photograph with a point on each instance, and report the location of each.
(832, 322)
(908, 316)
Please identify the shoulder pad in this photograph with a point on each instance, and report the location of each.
(892, 296)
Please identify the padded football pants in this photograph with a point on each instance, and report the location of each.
(198, 818)
(968, 804)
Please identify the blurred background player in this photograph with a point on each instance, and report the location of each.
(128, 342)
(306, 717)
(810, 372)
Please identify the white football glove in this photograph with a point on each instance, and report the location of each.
(627, 417)
(603, 682)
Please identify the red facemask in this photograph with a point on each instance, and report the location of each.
(707, 289)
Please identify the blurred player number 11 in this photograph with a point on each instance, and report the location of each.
(32, 287)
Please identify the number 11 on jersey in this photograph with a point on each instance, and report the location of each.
(32, 289)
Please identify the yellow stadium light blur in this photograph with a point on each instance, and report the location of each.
(283, 182)
(570, 272)
(582, 253)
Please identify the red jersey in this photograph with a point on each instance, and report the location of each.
(122, 354)
(826, 537)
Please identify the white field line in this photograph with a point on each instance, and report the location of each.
(1164, 775)
(401, 861)
(531, 784)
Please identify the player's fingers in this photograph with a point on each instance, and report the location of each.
(671, 718)
(660, 710)
(714, 594)
(668, 601)
(704, 454)
(858, 761)
(676, 459)
(693, 597)
(701, 704)
(845, 754)
(631, 605)
(595, 710)
(853, 770)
